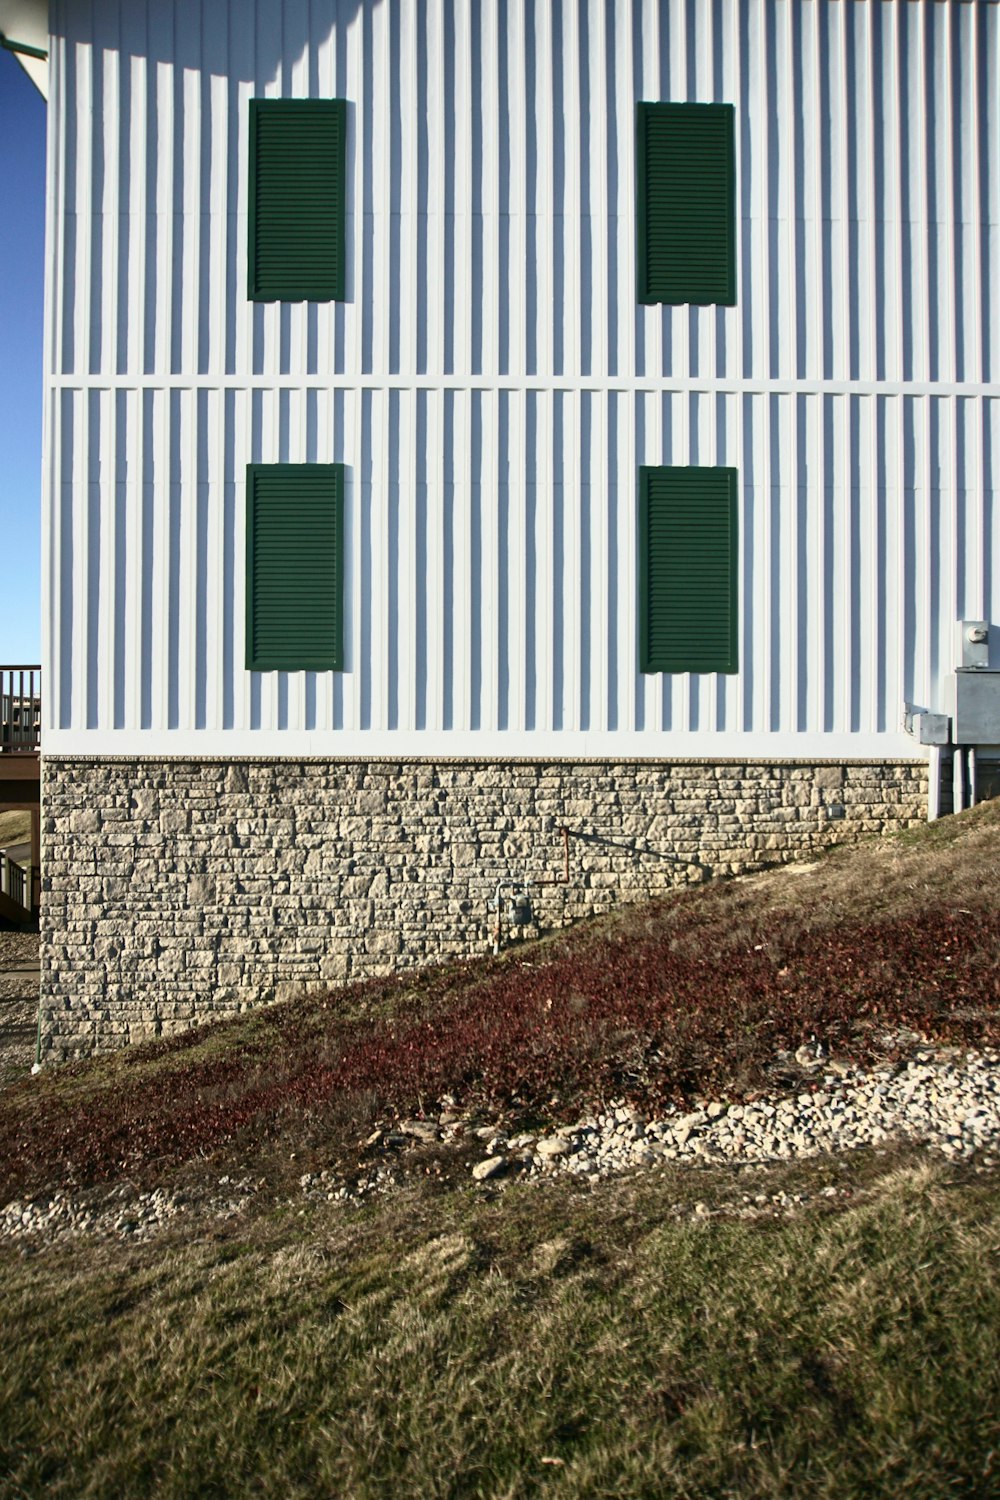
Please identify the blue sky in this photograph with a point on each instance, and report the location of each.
(22, 240)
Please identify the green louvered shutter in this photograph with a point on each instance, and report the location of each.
(687, 562)
(686, 203)
(297, 177)
(295, 567)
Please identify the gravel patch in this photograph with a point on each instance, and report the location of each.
(120, 1213)
(19, 976)
(946, 1099)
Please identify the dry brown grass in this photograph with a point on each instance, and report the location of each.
(954, 862)
(559, 1340)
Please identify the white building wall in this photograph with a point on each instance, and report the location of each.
(492, 386)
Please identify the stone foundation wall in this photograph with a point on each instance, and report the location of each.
(178, 891)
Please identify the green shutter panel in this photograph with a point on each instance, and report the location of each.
(688, 560)
(686, 203)
(295, 567)
(297, 216)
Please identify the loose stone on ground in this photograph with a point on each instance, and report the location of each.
(946, 1098)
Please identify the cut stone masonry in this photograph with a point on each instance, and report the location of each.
(180, 891)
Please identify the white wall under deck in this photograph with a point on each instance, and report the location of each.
(492, 386)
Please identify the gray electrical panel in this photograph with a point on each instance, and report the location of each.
(974, 705)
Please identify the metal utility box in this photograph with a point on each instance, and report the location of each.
(973, 645)
(974, 705)
(926, 728)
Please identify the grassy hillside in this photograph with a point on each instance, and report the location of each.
(823, 1328)
(15, 828)
(694, 994)
(556, 1342)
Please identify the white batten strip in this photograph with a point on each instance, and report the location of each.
(512, 647)
(485, 174)
(435, 103)
(816, 566)
(50, 534)
(319, 438)
(570, 130)
(846, 582)
(85, 208)
(103, 669)
(299, 452)
(383, 584)
(464, 584)
(406, 583)
(680, 317)
(270, 684)
(789, 603)
(244, 451)
(541, 108)
(54, 541)
(103, 347)
(357, 267)
(191, 294)
(461, 289)
(162, 501)
(358, 499)
(440, 502)
(187, 641)
(215, 616)
(409, 103)
(677, 688)
(600, 635)
(163, 154)
(485, 502)
(545, 607)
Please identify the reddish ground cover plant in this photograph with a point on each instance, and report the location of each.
(670, 1008)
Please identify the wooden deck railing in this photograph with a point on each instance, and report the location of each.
(14, 880)
(20, 710)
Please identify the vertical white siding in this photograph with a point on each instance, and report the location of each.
(491, 384)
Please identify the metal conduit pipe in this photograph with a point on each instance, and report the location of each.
(934, 784)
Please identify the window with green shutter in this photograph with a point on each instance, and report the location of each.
(295, 567)
(687, 570)
(297, 188)
(686, 203)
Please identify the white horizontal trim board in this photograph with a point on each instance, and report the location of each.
(491, 385)
(436, 746)
(693, 384)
